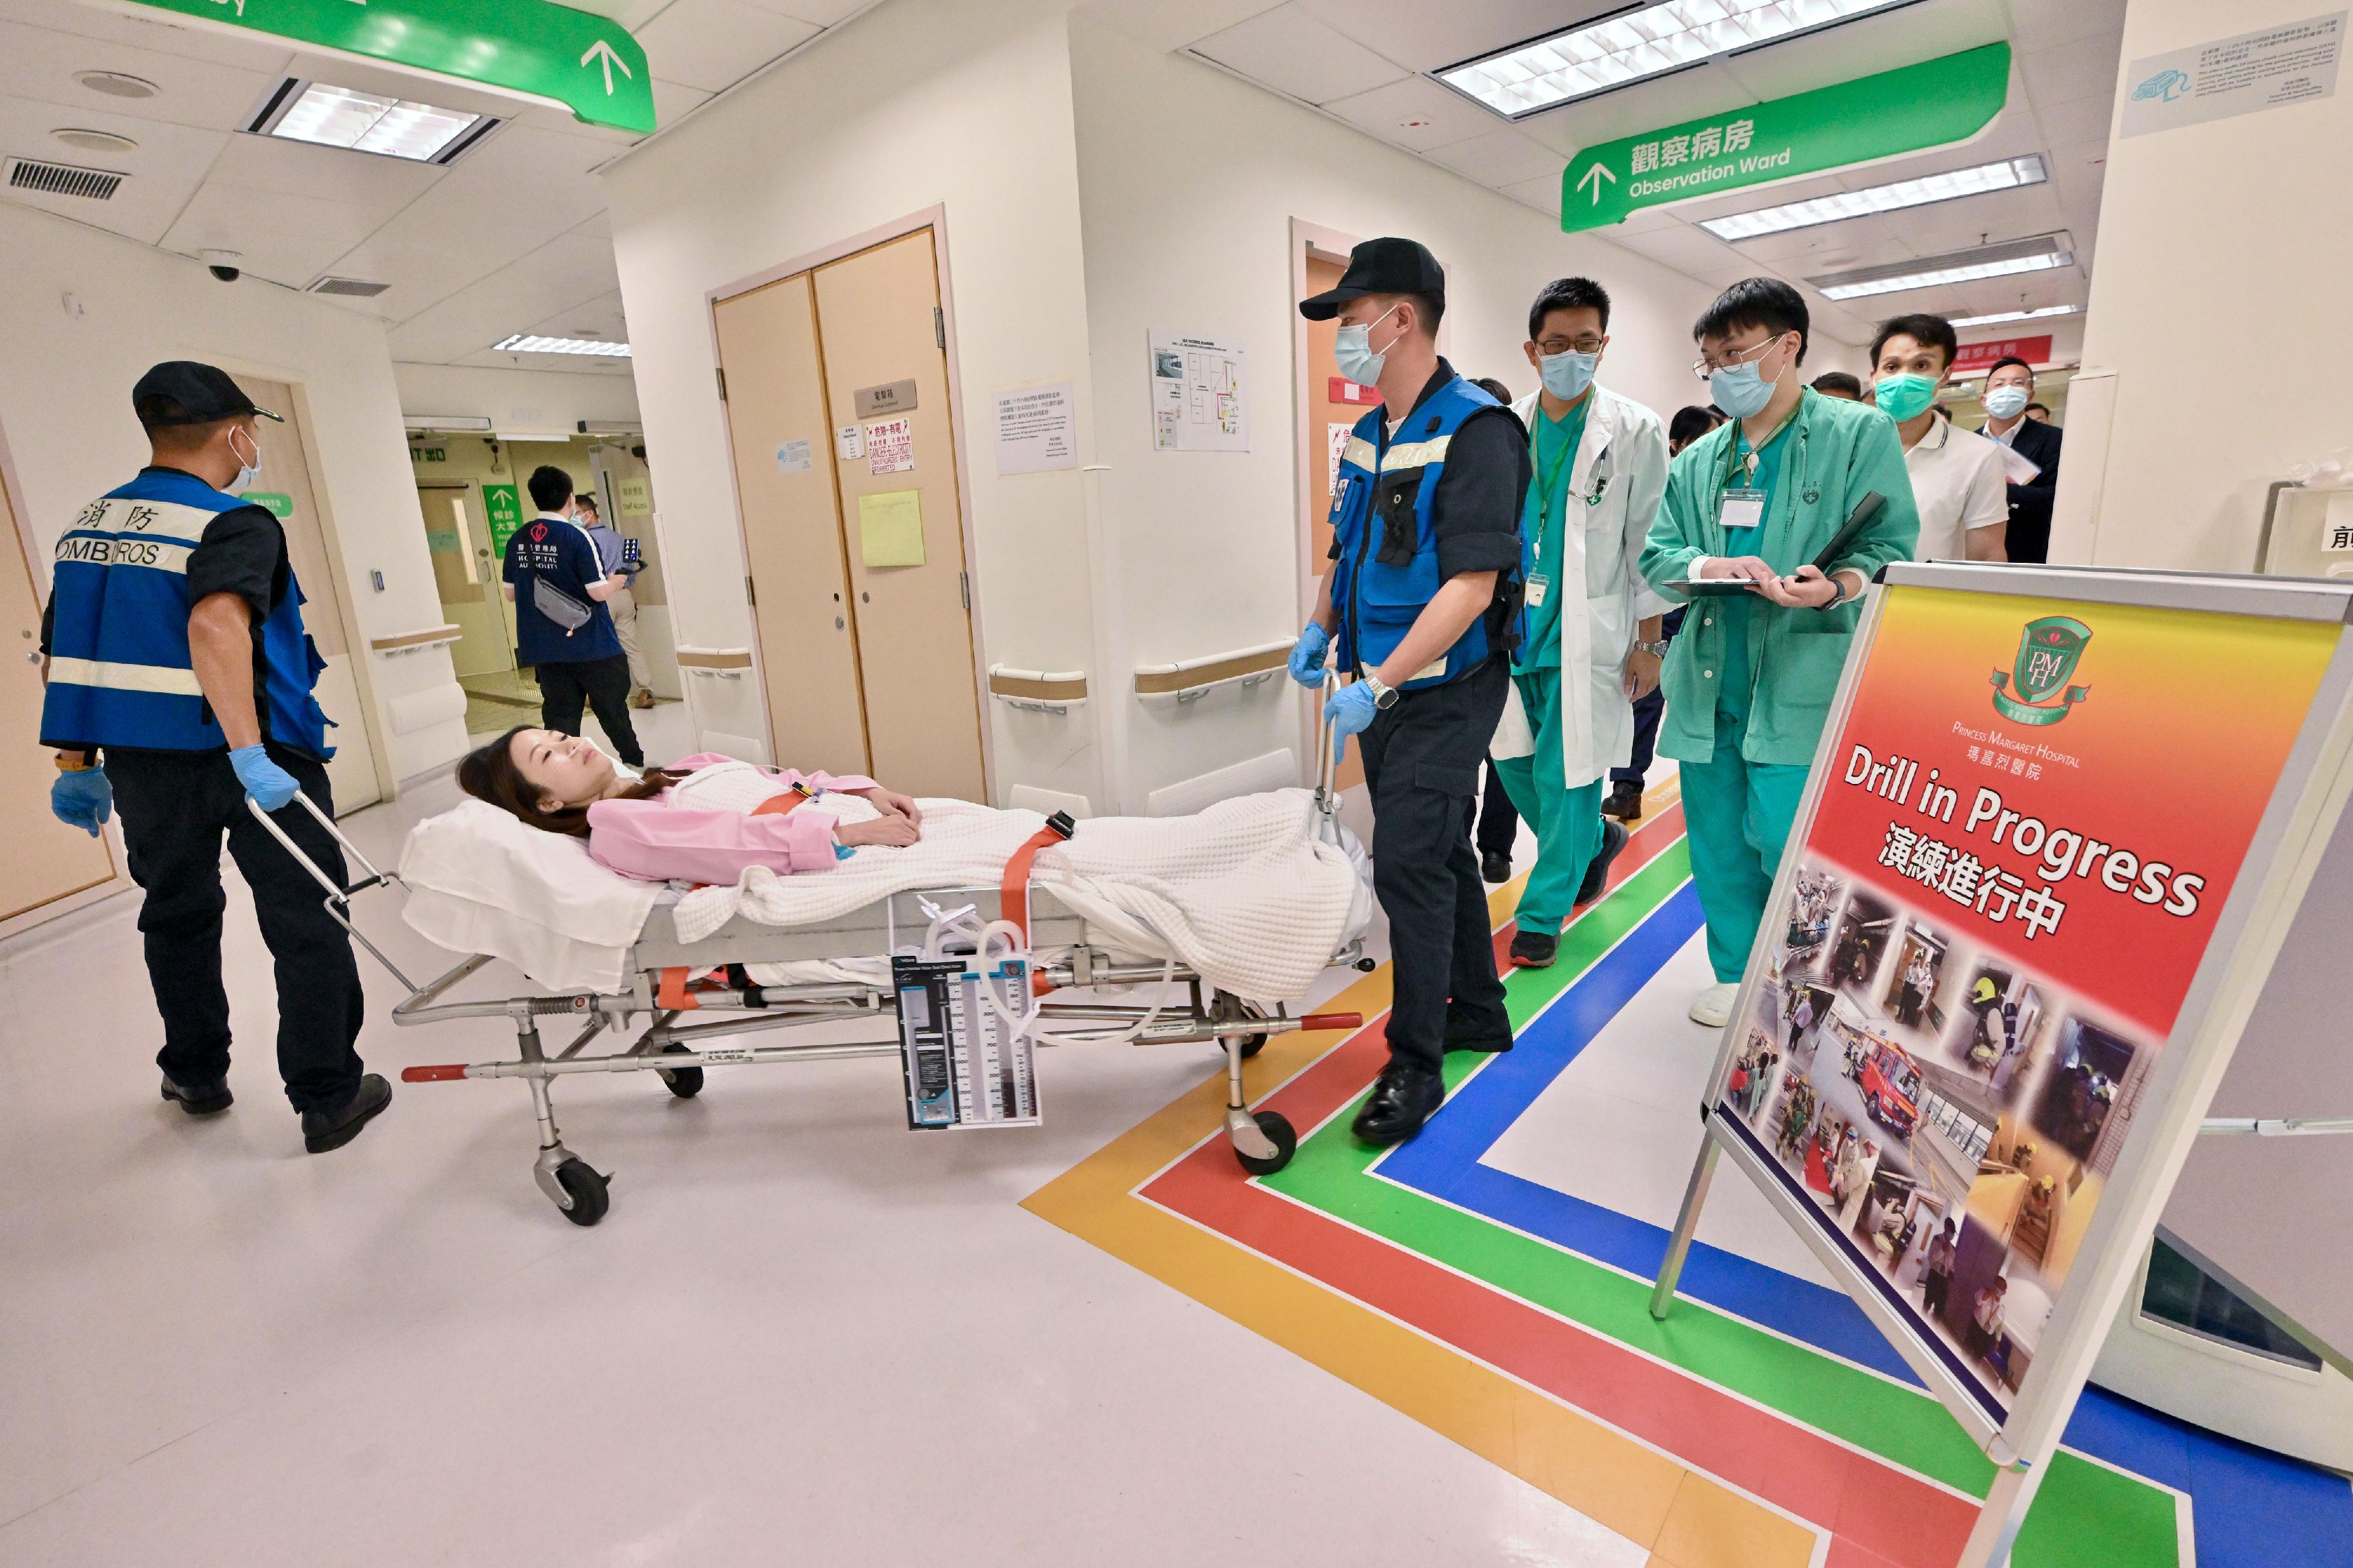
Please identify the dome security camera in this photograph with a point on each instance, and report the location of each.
(223, 264)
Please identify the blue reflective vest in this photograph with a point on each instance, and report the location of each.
(119, 670)
(1382, 516)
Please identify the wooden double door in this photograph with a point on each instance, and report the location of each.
(845, 455)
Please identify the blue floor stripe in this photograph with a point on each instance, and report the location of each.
(2253, 1508)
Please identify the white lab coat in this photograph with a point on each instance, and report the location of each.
(1621, 463)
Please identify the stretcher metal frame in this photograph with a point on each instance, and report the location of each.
(1064, 954)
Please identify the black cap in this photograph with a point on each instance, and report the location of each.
(181, 392)
(1381, 267)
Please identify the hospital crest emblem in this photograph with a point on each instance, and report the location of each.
(2048, 651)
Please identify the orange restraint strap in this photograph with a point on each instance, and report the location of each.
(778, 804)
(1014, 890)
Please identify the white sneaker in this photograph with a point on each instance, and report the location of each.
(1713, 1007)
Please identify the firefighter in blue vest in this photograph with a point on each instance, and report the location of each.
(1422, 605)
(179, 688)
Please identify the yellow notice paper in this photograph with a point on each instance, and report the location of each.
(890, 528)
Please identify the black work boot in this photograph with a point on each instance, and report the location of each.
(199, 1096)
(1624, 801)
(1613, 839)
(1477, 1028)
(331, 1127)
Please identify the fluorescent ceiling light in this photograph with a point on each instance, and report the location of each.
(445, 422)
(2008, 174)
(330, 116)
(1562, 68)
(523, 343)
(1961, 267)
(2001, 316)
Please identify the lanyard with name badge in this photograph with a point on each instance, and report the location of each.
(1740, 508)
(1540, 585)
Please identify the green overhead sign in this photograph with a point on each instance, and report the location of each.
(504, 507)
(1926, 105)
(589, 64)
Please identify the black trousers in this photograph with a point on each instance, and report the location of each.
(1648, 710)
(175, 807)
(1499, 820)
(602, 684)
(1421, 764)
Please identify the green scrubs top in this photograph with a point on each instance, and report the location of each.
(1552, 448)
(1734, 692)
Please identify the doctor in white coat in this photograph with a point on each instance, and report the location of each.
(1593, 642)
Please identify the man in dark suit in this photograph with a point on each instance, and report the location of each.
(2009, 389)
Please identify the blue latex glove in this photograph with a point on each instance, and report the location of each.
(1351, 709)
(83, 800)
(1307, 656)
(264, 780)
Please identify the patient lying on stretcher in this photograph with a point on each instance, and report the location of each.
(638, 826)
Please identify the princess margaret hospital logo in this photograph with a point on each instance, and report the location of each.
(2048, 651)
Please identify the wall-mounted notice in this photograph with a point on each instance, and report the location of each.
(891, 397)
(502, 504)
(794, 457)
(2005, 887)
(1983, 356)
(1335, 437)
(2294, 62)
(890, 447)
(635, 495)
(849, 441)
(890, 528)
(1198, 395)
(1037, 429)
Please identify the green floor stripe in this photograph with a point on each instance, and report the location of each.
(2084, 1512)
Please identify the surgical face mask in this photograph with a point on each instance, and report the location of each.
(1741, 390)
(1905, 397)
(1566, 375)
(1353, 351)
(247, 472)
(2006, 402)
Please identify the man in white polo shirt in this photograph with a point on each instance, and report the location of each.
(1956, 474)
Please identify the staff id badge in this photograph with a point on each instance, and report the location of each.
(1740, 509)
(1539, 586)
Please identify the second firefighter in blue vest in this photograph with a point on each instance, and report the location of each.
(1423, 606)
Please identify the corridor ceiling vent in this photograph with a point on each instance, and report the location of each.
(330, 116)
(347, 288)
(2039, 255)
(1636, 46)
(1998, 317)
(63, 180)
(2008, 174)
(524, 343)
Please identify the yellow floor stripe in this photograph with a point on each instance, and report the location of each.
(1686, 1518)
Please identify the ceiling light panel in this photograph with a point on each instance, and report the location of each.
(2007, 260)
(329, 116)
(1998, 317)
(523, 343)
(1631, 46)
(2008, 175)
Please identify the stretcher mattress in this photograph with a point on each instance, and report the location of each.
(1249, 894)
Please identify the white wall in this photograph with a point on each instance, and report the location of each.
(65, 411)
(960, 103)
(2217, 305)
(517, 403)
(1189, 180)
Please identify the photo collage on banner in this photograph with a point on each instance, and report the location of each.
(2003, 894)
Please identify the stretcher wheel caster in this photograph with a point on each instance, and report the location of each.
(684, 1082)
(1279, 1132)
(587, 1190)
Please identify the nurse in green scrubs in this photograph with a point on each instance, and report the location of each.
(1750, 680)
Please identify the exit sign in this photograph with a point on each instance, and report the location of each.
(1982, 356)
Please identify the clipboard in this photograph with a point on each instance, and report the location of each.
(1865, 511)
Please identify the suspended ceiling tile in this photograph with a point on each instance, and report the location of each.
(155, 31)
(2082, 120)
(599, 318)
(1293, 53)
(2086, 68)
(1802, 249)
(267, 167)
(713, 43)
(563, 275)
(167, 168)
(1694, 254)
(1868, 45)
(2042, 23)
(41, 63)
(1638, 110)
(1499, 158)
(630, 14)
(674, 100)
(1543, 193)
(1415, 112)
(1165, 26)
(1423, 37)
(818, 14)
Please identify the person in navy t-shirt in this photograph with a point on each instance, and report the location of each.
(562, 630)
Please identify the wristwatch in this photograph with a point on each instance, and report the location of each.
(1837, 593)
(77, 762)
(1655, 650)
(1383, 696)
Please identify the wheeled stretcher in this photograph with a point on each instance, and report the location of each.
(747, 979)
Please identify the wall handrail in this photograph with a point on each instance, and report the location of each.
(415, 642)
(1188, 679)
(1038, 690)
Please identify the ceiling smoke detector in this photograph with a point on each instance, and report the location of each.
(117, 84)
(93, 141)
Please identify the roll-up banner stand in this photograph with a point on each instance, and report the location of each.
(2058, 825)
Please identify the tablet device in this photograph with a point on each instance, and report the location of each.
(1858, 520)
(1711, 587)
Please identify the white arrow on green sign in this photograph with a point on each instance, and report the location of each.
(1927, 105)
(589, 64)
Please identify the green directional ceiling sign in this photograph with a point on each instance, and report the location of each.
(589, 64)
(1927, 105)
